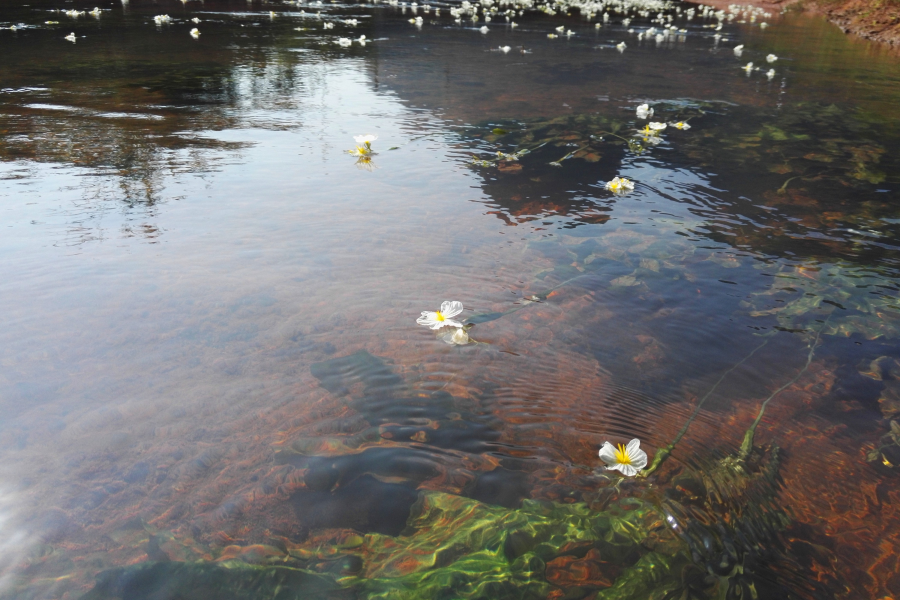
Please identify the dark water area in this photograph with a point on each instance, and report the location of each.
(212, 382)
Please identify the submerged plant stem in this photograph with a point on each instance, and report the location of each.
(663, 453)
(747, 444)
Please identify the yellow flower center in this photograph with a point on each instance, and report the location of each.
(439, 316)
(622, 455)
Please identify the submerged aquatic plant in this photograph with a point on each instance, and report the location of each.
(628, 459)
(443, 317)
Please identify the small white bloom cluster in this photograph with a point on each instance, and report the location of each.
(162, 19)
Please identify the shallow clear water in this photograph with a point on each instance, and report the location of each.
(213, 383)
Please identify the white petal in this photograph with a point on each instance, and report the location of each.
(451, 308)
(628, 470)
(639, 460)
(633, 446)
(608, 454)
(451, 323)
(427, 318)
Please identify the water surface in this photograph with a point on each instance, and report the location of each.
(212, 379)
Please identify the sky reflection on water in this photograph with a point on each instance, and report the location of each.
(188, 249)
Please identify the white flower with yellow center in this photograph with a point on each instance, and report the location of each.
(621, 47)
(748, 67)
(771, 58)
(443, 317)
(363, 142)
(681, 125)
(195, 33)
(620, 185)
(644, 111)
(628, 459)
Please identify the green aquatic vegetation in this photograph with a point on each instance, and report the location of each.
(640, 544)
(806, 142)
(862, 301)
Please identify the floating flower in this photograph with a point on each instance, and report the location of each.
(195, 20)
(552, 36)
(442, 318)
(71, 37)
(771, 58)
(484, 29)
(344, 42)
(629, 460)
(738, 50)
(160, 19)
(195, 33)
(770, 74)
(748, 67)
(620, 185)
(504, 49)
(681, 125)
(621, 46)
(363, 142)
(644, 111)
(329, 25)
(362, 40)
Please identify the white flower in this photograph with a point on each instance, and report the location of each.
(329, 25)
(619, 185)
(681, 125)
(551, 36)
(654, 126)
(628, 459)
(363, 142)
(748, 67)
(160, 19)
(644, 111)
(561, 29)
(195, 20)
(738, 50)
(71, 37)
(442, 318)
(195, 33)
(344, 42)
(770, 73)
(362, 40)
(621, 46)
(771, 58)
(484, 29)
(505, 49)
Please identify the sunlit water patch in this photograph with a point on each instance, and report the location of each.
(216, 247)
